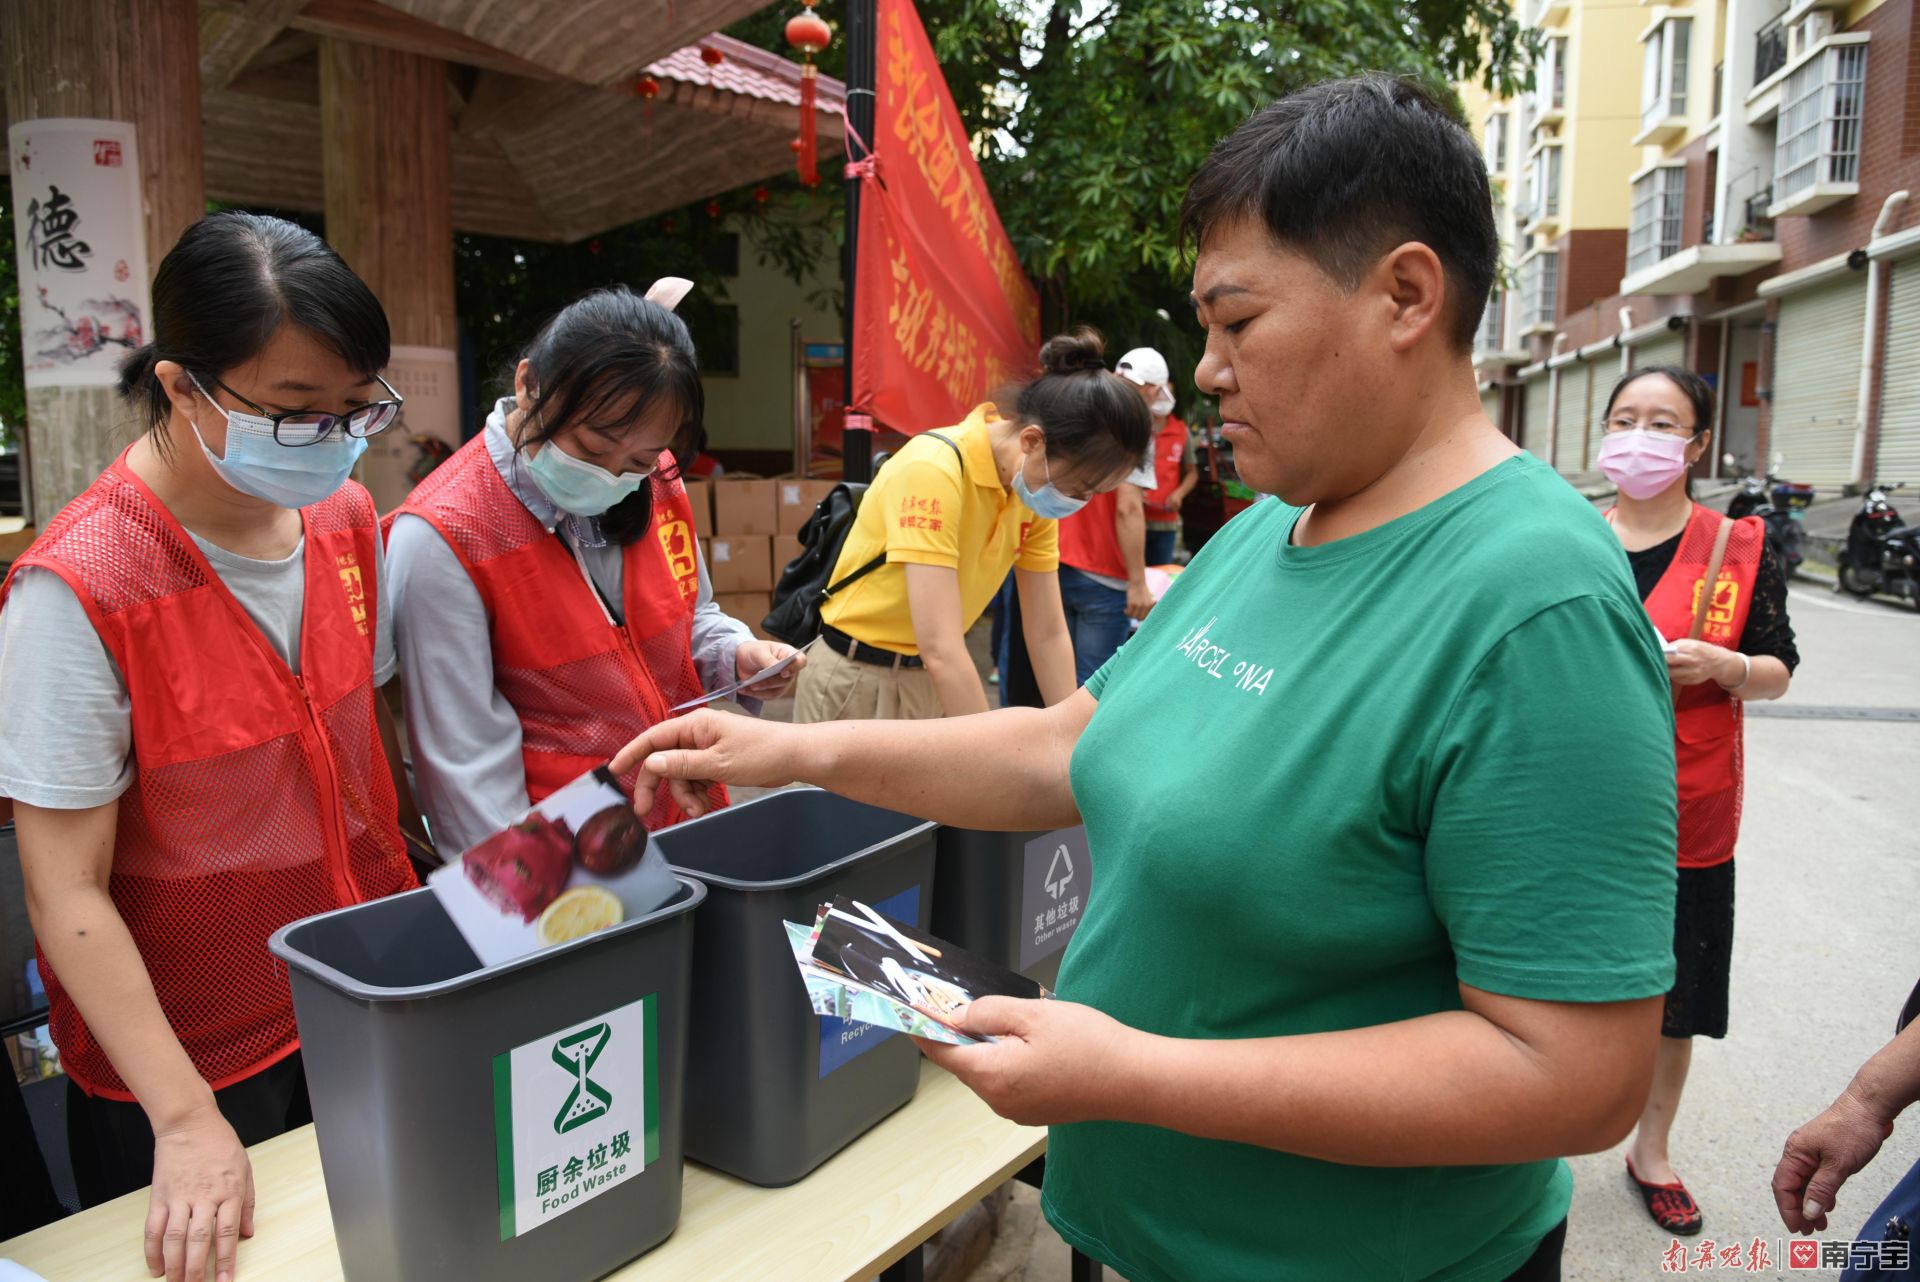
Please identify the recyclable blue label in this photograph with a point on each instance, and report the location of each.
(841, 1040)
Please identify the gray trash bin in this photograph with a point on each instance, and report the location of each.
(1013, 897)
(774, 1090)
(499, 1123)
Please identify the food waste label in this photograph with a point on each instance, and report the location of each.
(575, 1113)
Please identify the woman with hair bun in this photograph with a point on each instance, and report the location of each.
(947, 517)
(189, 727)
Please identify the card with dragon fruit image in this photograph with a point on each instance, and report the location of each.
(578, 862)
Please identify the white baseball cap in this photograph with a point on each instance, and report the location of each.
(1145, 367)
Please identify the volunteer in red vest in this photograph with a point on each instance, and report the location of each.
(1738, 648)
(189, 727)
(1174, 471)
(1103, 547)
(549, 592)
(949, 515)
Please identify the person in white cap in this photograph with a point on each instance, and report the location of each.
(1174, 471)
(1103, 548)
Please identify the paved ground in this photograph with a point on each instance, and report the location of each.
(1825, 953)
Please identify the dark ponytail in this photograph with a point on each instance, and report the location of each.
(1094, 419)
(604, 352)
(228, 285)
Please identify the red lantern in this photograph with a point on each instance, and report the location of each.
(646, 89)
(760, 195)
(808, 32)
(669, 225)
(713, 210)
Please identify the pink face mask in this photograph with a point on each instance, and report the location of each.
(1643, 463)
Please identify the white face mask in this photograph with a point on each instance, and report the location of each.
(1162, 404)
(577, 486)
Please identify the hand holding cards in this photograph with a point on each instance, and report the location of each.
(861, 966)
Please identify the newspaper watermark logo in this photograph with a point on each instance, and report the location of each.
(1761, 1255)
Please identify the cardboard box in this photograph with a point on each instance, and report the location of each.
(740, 564)
(785, 549)
(748, 607)
(797, 499)
(745, 507)
(700, 494)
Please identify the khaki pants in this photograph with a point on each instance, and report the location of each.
(833, 687)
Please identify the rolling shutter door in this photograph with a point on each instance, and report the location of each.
(1662, 349)
(1816, 382)
(1898, 455)
(1533, 432)
(1569, 452)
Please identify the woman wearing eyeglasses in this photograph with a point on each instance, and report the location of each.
(189, 727)
(550, 594)
(1723, 650)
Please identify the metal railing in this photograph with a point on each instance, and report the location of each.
(1769, 49)
(1758, 225)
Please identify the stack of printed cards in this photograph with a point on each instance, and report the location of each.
(861, 966)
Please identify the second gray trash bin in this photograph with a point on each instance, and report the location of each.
(774, 1090)
(497, 1123)
(1013, 897)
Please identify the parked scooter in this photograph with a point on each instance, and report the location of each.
(1882, 554)
(1780, 504)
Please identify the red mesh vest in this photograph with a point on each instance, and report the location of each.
(259, 797)
(582, 685)
(1169, 452)
(1088, 540)
(1707, 721)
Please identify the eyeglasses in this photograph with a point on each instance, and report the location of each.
(310, 427)
(1665, 426)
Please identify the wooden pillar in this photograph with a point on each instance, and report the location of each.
(384, 132)
(132, 60)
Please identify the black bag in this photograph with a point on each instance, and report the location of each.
(804, 585)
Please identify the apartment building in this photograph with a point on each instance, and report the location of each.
(1730, 179)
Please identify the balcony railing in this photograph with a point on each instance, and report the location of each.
(1769, 49)
(1758, 226)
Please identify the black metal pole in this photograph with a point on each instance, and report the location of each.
(857, 441)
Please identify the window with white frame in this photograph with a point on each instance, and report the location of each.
(1819, 130)
(1543, 182)
(1654, 232)
(1552, 84)
(1487, 337)
(1497, 143)
(1663, 76)
(1539, 286)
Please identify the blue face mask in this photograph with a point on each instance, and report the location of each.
(1046, 501)
(286, 476)
(577, 486)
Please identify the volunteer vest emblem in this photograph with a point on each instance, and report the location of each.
(1726, 601)
(577, 1052)
(355, 588)
(676, 541)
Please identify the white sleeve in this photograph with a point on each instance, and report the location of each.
(716, 639)
(386, 661)
(66, 723)
(463, 735)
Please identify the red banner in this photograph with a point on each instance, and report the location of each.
(943, 315)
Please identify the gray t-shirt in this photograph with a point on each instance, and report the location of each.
(66, 723)
(463, 734)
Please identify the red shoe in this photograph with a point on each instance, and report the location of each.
(1670, 1205)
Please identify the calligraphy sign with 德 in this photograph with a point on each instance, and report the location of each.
(943, 315)
(82, 247)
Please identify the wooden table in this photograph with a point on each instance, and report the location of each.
(862, 1212)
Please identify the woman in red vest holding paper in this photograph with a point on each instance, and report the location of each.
(549, 591)
(189, 725)
(1723, 648)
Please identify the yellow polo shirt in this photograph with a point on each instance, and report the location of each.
(920, 510)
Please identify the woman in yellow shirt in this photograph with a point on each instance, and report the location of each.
(952, 511)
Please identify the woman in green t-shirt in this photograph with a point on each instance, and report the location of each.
(1385, 934)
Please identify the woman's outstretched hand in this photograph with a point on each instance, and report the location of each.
(705, 748)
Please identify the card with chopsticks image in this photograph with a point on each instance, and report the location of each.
(930, 976)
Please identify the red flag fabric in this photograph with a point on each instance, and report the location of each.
(943, 315)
